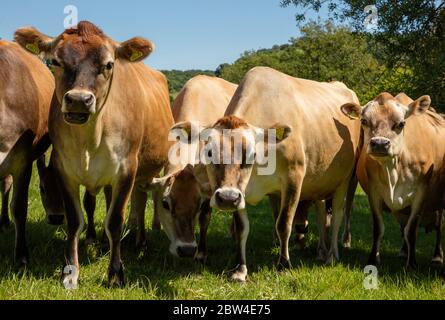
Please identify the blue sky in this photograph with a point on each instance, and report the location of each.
(188, 34)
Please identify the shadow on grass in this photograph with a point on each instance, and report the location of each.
(156, 268)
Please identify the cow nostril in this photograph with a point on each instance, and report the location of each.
(88, 100)
(68, 99)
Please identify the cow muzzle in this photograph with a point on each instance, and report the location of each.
(183, 250)
(228, 199)
(78, 106)
(380, 147)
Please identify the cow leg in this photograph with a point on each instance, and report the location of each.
(378, 229)
(114, 225)
(289, 204)
(5, 189)
(242, 227)
(338, 205)
(347, 236)
(411, 228)
(89, 203)
(19, 209)
(204, 221)
(156, 223)
(301, 224)
(75, 222)
(108, 191)
(322, 251)
(438, 252)
(275, 203)
(138, 205)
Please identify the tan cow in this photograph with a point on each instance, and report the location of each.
(316, 151)
(184, 195)
(401, 164)
(109, 125)
(26, 88)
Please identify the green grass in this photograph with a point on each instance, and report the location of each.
(158, 275)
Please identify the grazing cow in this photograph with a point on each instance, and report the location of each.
(401, 165)
(316, 151)
(26, 88)
(109, 124)
(184, 198)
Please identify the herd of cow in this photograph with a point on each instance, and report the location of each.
(108, 117)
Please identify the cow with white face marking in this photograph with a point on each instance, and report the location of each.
(316, 150)
(401, 166)
(109, 124)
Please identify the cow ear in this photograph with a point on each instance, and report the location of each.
(135, 49)
(33, 40)
(282, 132)
(186, 131)
(352, 110)
(419, 106)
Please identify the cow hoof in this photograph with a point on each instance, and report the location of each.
(332, 258)
(283, 264)
(240, 274)
(411, 268)
(201, 257)
(437, 261)
(116, 278)
(322, 255)
(347, 241)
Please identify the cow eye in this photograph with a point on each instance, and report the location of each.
(55, 63)
(399, 126)
(166, 204)
(109, 66)
(365, 123)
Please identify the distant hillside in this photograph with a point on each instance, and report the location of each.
(177, 79)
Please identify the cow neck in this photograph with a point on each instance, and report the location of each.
(97, 126)
(391, 174)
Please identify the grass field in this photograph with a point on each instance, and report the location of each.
(158, 275)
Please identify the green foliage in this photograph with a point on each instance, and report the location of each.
(159, 275)
(412, 33)
(322, 53)
(177, 79)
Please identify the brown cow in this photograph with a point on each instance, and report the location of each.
(26, 88)
(109, 125)
(401, 164)
(316, 151)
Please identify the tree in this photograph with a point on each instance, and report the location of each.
(324, 52)
(411, 35)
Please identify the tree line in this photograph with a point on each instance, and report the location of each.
(406, 51)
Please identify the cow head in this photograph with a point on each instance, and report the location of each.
(83, 60)
(180, 205)
(383, 122)
(50, 194)
(231, 152)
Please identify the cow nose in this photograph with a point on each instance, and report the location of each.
(187, 251)
(228, 198)
(380, 144)
(55, 220)
(83, 98)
